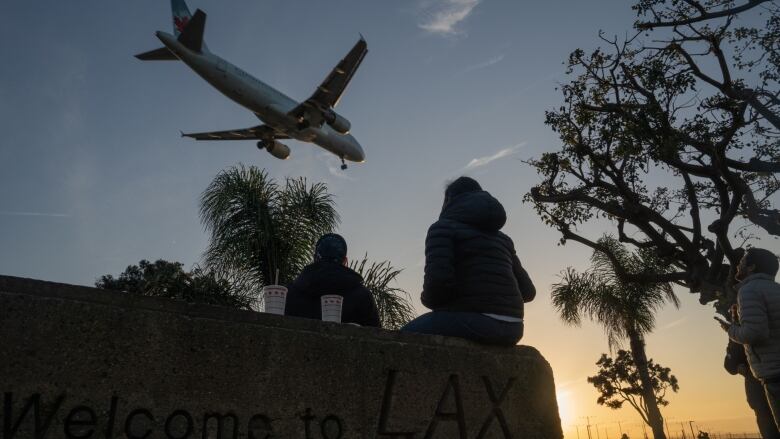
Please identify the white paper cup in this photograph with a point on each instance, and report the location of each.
(331, 307)
(274, 298)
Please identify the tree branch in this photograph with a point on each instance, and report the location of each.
(754, 165)
(694, 202)
(620, 270)
(702, 16)
(743, 94)
(767, 219)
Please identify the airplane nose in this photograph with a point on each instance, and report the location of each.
(357, 152)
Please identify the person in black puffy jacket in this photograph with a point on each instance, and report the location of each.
(474, 282)
(329, 274)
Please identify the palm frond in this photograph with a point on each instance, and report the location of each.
(568, 294)
(602, 296)
(393, 304)
(306, 213)
(258, 228)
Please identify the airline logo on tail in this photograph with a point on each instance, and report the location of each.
(181, 16)
(179, 23)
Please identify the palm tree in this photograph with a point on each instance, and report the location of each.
(625, 310)
(392, 303)
(259, 228)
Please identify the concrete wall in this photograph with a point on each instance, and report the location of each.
(77, 362)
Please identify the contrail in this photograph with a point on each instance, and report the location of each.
(674, 323)
(50, 215)
(486, 160)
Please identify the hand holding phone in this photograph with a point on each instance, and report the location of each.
(734, 312)
(723, 323)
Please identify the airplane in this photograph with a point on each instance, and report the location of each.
(313, 120)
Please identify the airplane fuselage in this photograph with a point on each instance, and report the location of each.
(268, 104)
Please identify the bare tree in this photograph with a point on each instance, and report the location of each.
(672, 135)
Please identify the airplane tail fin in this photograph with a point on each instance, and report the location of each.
(192, 34)
(188, 29)
(181, 18)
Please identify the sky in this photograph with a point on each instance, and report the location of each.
(94, 175)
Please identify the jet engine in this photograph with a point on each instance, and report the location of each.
(277, 149)
(337, 122)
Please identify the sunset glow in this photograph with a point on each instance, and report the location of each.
(565, 407)
(94, 175)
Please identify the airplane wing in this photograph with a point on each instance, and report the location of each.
(259, 132)
(331, 89)
(329, 92)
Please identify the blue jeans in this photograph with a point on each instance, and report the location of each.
(772, 389)
(469, 325)
(758, 401)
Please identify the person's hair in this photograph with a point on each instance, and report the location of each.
(330, 247)
(764, 260)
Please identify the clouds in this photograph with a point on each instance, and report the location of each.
(488, 159)
(442, 16)
(492, 61)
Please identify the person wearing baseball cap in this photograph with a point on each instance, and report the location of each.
(329, 274)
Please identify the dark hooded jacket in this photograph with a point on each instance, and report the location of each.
(326, 277)
(469, 264)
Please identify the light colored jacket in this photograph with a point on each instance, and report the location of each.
(759, 324)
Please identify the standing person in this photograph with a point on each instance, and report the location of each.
(757, 321)
(736, 363)
(329, 274)
(474, 282)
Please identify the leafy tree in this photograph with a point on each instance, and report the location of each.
(626, 310)
(618, 382)
(169, 280)
(392, 303)
(258, 227)
(673, 136)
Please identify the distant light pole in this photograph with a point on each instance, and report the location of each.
(587, 420)
(690, 423)
(620, 427)
(578, 431)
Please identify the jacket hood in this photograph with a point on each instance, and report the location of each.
(326, 277)
(478, 209)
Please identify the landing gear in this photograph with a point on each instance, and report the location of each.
(343, 165)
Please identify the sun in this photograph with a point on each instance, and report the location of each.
(565, 407)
